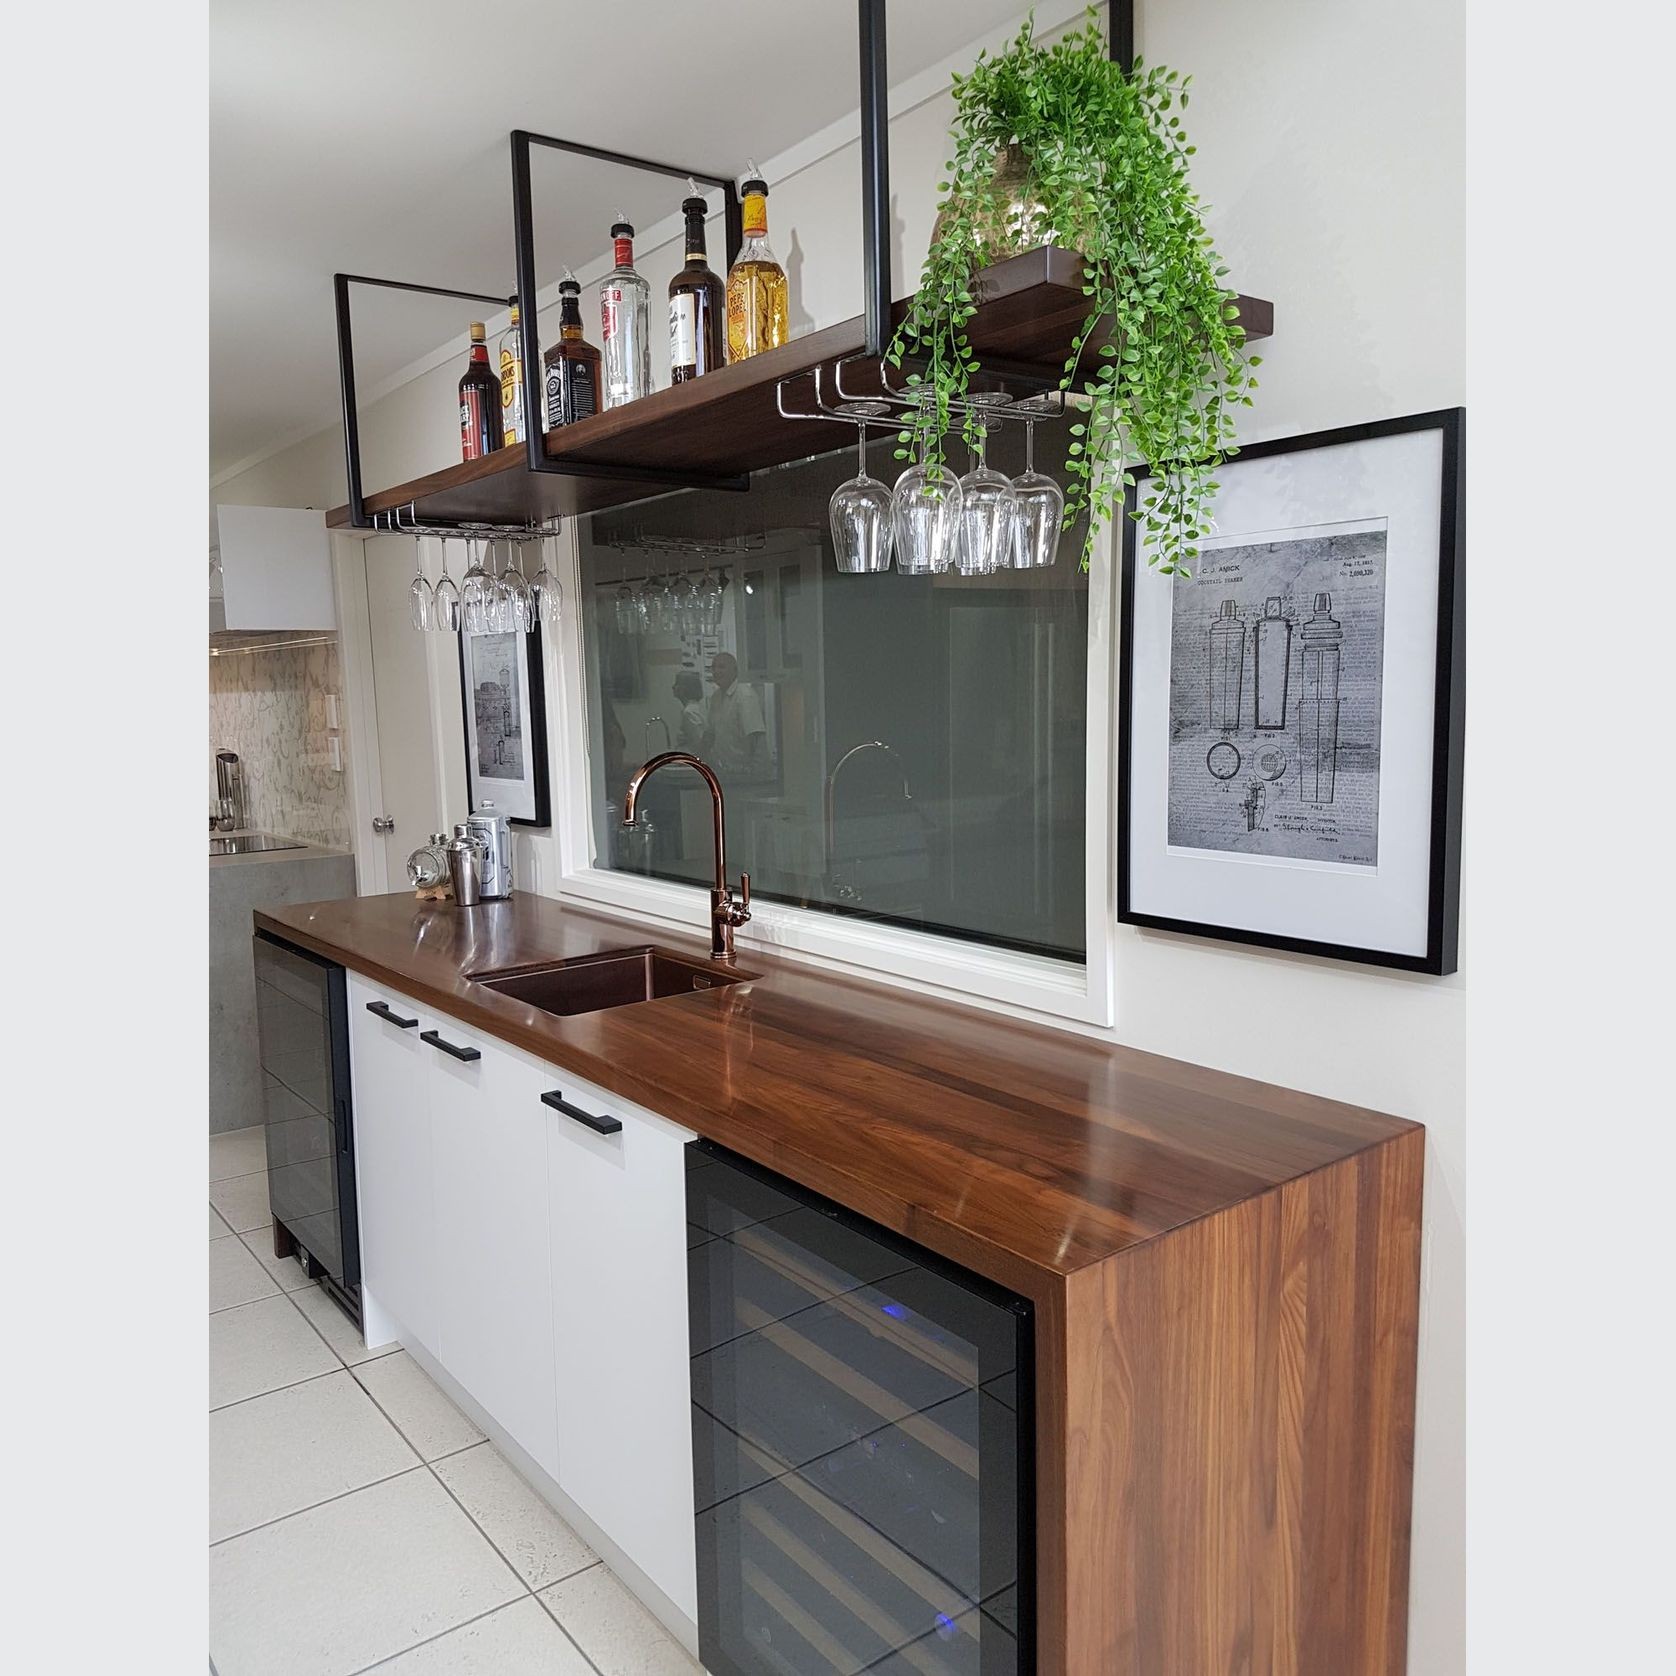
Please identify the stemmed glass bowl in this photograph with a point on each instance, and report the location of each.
(1041, 502)
(988, 514)
(860, 512)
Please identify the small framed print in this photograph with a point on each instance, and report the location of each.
(506, 724)
(1290, 743)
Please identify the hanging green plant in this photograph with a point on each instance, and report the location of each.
(1058, 145)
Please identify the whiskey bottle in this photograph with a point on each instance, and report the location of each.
(571, 366)
(625, 308)
(511, 351)
(697, 305)
(480, 430)
(757, 314)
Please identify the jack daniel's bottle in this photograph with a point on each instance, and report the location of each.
(572, 364)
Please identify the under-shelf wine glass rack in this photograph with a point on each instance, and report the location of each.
(713, 432)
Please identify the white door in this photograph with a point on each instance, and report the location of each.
(421, 766)
(620, 1333)
(393, 1165)
(495, 1280)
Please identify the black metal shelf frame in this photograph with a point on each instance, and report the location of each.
(875, 261)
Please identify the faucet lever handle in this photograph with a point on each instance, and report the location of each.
(745, 894)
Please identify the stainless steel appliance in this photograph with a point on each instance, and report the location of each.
(862, 1442)
(229, 790)
(302, 1024)
(494, 832)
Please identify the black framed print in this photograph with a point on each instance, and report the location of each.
(1290, 742)
(506, 724)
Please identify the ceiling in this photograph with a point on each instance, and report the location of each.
(371, 138)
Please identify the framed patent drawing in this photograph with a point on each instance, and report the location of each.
(1290, 743)
(505, 723)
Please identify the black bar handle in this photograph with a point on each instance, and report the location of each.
(467, 1053)
(597, 1121)
(382, 1010)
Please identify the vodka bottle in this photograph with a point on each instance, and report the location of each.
(625, 301)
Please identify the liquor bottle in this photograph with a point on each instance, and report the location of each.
(1227, 667)
(479, 401)
(571, 366)
(1272, 643)
(1323, 639)
(697, 305)
(511, 350)
(625, 312)
(757, 316)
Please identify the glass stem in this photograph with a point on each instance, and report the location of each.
(1029, 449)
(861, 450)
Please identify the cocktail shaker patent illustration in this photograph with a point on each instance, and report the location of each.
(1322, 639)
(1252, 804)
(1272, 657)
(1227, 667)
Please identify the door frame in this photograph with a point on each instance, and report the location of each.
(360, 703)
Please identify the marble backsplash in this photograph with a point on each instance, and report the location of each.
(268, 702)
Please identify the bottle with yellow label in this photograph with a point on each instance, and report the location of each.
(512, 383)
(758, 315)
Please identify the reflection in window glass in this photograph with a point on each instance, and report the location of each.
(907, 749)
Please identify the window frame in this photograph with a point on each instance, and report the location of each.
(957, 969)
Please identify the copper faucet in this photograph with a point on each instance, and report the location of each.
(725, 913)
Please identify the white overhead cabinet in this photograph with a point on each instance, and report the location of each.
(276, 567)
(528, 1232)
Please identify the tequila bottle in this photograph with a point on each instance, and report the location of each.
(512, 383)
(758, 313)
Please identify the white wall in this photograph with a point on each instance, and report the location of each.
(1331, 151)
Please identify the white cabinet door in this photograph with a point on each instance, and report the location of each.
(393, 1164)
(495, 1268)
(620, 1331)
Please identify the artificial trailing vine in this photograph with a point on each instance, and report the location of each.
(1107, 161)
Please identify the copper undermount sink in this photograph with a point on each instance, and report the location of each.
(612, 978)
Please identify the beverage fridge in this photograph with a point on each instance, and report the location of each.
(862, 1442)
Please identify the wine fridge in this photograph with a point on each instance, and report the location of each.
(862, 1443)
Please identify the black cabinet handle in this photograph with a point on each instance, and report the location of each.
(383, 1011)
(597, 1121)
(449, 1048)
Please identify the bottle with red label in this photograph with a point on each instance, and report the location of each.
(625, 315)
(480, 419)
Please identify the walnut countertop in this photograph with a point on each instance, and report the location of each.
(1023, 1152)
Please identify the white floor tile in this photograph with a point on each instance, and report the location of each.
(338, 1588)
(614, 1629)
(285, 1272)
(238, 1152)
(428, 1420)
(285, 1451)
(218, 1230)
(540, 1545)
(518, 1640)
(242, 1201)
(235, 1277)
(260, 1347)
(336, 1327)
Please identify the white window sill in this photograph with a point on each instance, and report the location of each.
(1005, 980)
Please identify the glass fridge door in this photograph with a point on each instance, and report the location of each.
(862, 1440)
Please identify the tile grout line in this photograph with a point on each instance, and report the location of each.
(294, 1385)
(402, 1652)
(296, 1512)
(560, 1622)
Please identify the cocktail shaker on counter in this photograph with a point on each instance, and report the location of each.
(494, 832)
(465, 867)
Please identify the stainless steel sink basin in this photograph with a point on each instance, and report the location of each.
(249, 843)
(612, 978)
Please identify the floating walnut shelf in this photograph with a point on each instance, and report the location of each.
(728, 423)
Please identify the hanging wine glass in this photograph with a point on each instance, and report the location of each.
(654, 604)
(520, 600)
(445, 606)
(925, 512)
(1041, 503)
(683, 605)
(712, 591)
(988, 514)
(626, 608)
(419, 590)
(860, 510)
(548, 594)
(474, 592)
